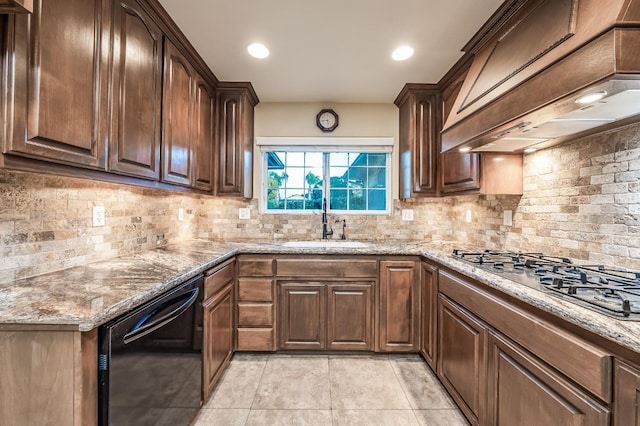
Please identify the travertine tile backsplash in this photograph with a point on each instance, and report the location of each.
(46, 221)
(580, 200)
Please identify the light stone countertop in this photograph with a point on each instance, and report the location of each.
(85, 297)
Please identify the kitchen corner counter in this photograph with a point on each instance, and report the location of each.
(85, 297)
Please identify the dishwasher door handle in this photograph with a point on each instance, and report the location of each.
(148, 323)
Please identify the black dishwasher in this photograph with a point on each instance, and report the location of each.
(150, 361)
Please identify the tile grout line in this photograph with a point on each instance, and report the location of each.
(253, 400)
(404, 391)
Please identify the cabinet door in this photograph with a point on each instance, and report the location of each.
(429, 312)
(134, 147)
(230, 161)
(218, 337)
(418, 141)
(177, 157)
(521, 387)
(57, 82)
(203, 137)
(234, 157)
(627, 395)
(349, 316)
(460, 172)
(461, 343)
(399, 307)
(301, 316)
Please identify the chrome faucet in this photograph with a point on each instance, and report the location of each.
(325, 232)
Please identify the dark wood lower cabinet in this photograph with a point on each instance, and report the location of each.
(399, 307)
(319, 316)
(523, 390)
(429, 312)
(627, 395)
(218, 307)
(301, 316)
(218, 337)
(350, 317)
(461, 343)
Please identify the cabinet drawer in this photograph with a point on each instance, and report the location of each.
(352, 268)
(255, 289)
(252, 266)
(217, 278)
(255, 339)
(255, 314)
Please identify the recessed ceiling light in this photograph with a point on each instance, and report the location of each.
(591, 97)
(530, 150)
(258, 50)
(402, 53)
(465, 149)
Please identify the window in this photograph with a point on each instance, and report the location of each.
(298, 179)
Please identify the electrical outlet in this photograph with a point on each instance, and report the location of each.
(180, 214)
(98, 215)
(507, 219)
(244, 213)
(407, 214)
(467, 216)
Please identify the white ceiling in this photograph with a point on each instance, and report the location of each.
(330, 50)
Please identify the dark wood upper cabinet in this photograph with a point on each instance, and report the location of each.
(459, 172)
(16, 6)
(134, 147)
(65, 123)
(203, 128)
(418, 140)
(234, 159)
(179, 82)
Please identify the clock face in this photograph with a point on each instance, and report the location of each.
(327, 120)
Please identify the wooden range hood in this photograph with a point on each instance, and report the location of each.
(533, 60)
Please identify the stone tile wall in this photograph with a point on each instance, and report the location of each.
(46, 221)
(580, 200)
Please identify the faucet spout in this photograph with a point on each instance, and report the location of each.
(325, 232)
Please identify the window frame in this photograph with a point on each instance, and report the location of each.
(325, 145)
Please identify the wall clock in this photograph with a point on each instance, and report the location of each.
(327, 120)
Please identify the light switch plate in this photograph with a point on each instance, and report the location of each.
(507, 219)
(180, 214)
(98, 215)
(244, 213)
(407, 214)
(467, 216)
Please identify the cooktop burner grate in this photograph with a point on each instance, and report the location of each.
(613, 291)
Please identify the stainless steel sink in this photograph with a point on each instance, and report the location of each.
(325, 244)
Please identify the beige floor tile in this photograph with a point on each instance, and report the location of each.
(238, 386)
(289, 417)
(293, 382)
(374, 418)
(222, 417)
(420, 385)
(365, 383)
(451, 417)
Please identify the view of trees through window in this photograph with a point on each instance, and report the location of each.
(353, 181)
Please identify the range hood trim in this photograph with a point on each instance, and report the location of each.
(550, 91)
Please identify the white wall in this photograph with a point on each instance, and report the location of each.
(299, 119)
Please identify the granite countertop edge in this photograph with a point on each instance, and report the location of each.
(65, 298)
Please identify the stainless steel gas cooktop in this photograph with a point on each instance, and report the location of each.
(614, 292)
